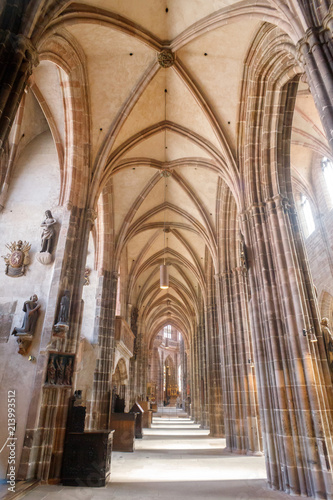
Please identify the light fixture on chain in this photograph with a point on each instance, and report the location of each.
(164, 275)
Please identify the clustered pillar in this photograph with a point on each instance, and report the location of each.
(216, 416)
(104, 333)
(295, 399)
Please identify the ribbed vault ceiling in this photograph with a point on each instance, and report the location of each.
(137, 131)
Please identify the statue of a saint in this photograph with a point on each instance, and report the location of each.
(69, 372)
(30, 309)
(328, 343)
(51, 372)
(64, 309)
(60, 370)
(48, 232)
(25, 333)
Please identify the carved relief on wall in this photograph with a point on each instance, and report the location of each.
(18, 258)
(60, 369)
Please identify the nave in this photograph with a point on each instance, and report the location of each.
(174, 460)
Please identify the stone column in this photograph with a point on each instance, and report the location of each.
(216, 416)
(202, 369)
(293, 381)
(141, 362)
(231, 390)
(188, 375)
(161, 381)
(246, 382)
(104, 330)
(182, 356)
(18, 56)
(46, 422)
(195, 390)
(242, 429)
(315, 52)
(131, 382)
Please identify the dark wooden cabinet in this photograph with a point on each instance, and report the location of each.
(87, 458)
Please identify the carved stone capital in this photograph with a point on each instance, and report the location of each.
(114, 276)
(240, 271)
(22, 45)
(166, 58)
(68, 205)
(91, 215)
(226, 276)
(314, 36)
(328, 19)
(256, 209)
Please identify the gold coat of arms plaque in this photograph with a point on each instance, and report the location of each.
(18, 258)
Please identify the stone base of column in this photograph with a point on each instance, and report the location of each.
(255, 453)
(217, 434)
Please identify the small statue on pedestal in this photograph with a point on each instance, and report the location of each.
(51, 372)
(60, 370)
(62, 322)
(48, 236)
(25, 333)
(328, 343)
(68, 372)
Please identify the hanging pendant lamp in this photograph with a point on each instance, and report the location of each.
(164, 275)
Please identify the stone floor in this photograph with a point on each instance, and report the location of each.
(175, 460)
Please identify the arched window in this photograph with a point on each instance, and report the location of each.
(167, 332)
(308, 217)
(327, 166)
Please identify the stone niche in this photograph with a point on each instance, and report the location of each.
(60, 369)
(7, 311)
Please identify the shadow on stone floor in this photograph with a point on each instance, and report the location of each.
(196, 452)
(250, 489)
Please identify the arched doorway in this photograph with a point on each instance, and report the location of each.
(120, 380)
